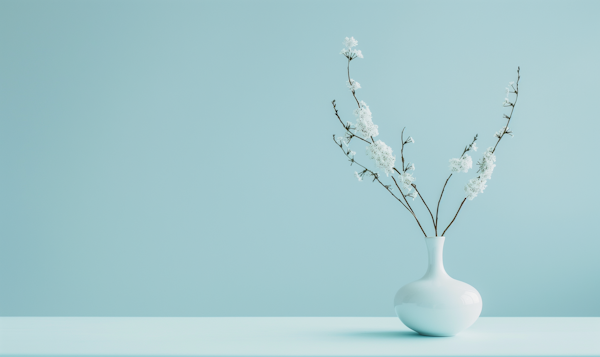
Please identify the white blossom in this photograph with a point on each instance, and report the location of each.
(412, 195)
(382, 154)
(351, 53)
(474, 146)
(410, 166)
(504, 130)
(455, 165)
(358, 176)
(343, 139)
(406, 179)
(352, 153)
(474, 187)
(507, 102)
(467, 163)
(364, 122)
(486, 167)
(410, 140)
(461, 164)
(350, 42)
(353, 85)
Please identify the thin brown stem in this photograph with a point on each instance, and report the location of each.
(454, 216)
(422, 199)
(350, 81)
(411, 211)
(438, 205)
(404, 197)
(402, 149)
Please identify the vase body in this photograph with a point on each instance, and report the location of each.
(436, 304)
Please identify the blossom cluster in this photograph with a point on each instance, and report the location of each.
(463, 164)
(353, 85)
(406, 179)
(348, 51)
(364, 122)
(504, 130)
(350, 42)
(486, 167)
(382, 155)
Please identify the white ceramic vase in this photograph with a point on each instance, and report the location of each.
(436, 304)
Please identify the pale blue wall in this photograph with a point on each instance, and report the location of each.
(175, 158)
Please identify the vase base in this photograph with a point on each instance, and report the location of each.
(434, 335)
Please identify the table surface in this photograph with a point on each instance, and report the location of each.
(293, 336)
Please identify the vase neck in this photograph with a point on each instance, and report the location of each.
(435, 250)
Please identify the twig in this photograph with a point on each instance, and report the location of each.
(467, 148)
(438, 205)
(411, 210)
(422, 199)
(454, 216)
(375, 175)
(402, 149)
(516, 91)
(350, 81)
(348, 130)
(403, 170)
(404, 197)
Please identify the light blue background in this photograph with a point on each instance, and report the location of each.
(175, 158)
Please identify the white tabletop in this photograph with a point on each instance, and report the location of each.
(293, 336)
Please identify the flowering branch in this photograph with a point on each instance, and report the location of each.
(404, 168)
(405, 200)
(376, 178)
(377, 150)
(409, 140)
(351, 54)
(375, 175)
(348, 126)
(351, 84)
(468, 148)
(507, 103)
(419, 194)
(411, 210)
(365, 130)
(486, 165)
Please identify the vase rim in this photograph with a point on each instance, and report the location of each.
(435, 237)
